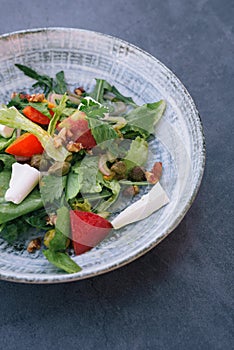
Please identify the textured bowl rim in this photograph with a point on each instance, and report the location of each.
(61, 278)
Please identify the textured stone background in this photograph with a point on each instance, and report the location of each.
(179, 295)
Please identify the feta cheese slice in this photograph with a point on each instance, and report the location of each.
(144, 207)
(23, 180)
(6, 131)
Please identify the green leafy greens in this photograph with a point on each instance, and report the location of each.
(48, 84)
(95, 178)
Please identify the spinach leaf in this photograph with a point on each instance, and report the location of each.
(5, 142)
(6, 161)
(63, 221)
(58, 242)
(62, 261)
(62, 230)
(60, 86)
(10, 211)
(5, 176)
(43, 81)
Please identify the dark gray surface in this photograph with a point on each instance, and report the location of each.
(179, 295)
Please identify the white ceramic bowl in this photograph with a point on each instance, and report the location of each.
(179, 143)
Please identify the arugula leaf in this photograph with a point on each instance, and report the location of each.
(130, 131)
(101, 131)
(90, 178)
(102, 86)
(62, 261)
(43, 81)
(37, 219)
(143, 119)
(13, 230)
(48, 84)
(18, 103)
(52, 187)
(60, 86)
(92, 108)
(114, 186)
(9, 232)
(99, 90)
(137, 154)
(120, 97)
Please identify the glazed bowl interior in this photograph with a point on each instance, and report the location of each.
(179, 143)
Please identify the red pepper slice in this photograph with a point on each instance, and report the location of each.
(88, 229)
(36, 116)
(26, 146)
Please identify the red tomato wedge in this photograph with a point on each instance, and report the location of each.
(86, 138)
(88, 229)
(26, 146)
(79, 128)
(36, 116)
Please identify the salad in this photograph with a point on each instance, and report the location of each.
(72, 163)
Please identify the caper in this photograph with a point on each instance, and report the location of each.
(38, 161)
(59, 168)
